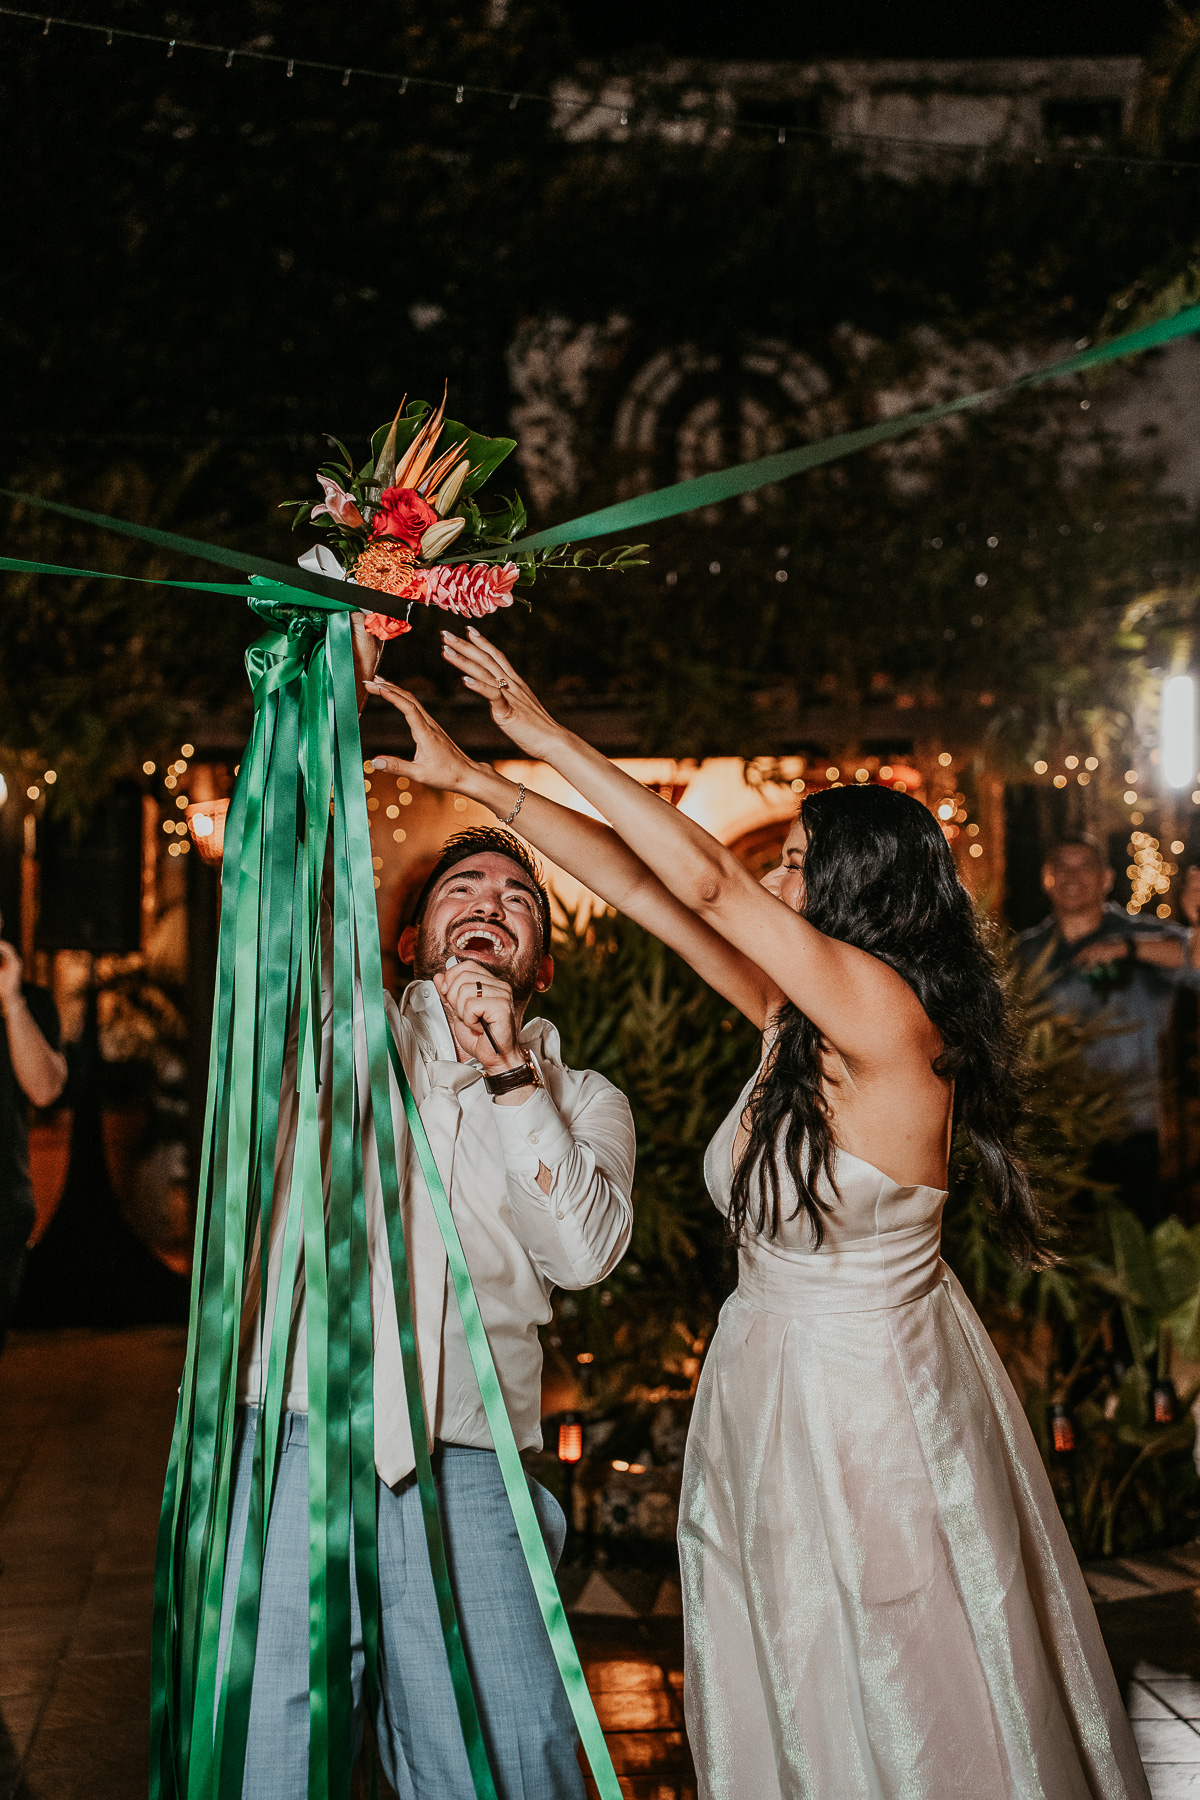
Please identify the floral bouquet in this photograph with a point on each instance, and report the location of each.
(406, 522)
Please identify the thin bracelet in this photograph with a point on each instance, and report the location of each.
(516, 809)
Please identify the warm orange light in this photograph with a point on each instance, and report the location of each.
(619, 1465)
(585, 1356)
(206, 823)
(570, 1443)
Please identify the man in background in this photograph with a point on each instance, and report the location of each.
(1115, 970)
(33, 1071)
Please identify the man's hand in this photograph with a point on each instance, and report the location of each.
(1104, 950)
(1162, 952)
(40, 1071)
(474, 997)
(367, 652)
(10, 976)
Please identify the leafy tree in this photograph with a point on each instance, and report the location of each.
(242, 261)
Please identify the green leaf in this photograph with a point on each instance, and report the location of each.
(485, 453)
(338, 445)
(505, 523)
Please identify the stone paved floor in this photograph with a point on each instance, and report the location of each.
(85, 1418)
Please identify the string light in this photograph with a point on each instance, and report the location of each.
(620, 111)
(1147, 872)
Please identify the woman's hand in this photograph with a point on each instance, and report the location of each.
(515, 707)
(437, 760)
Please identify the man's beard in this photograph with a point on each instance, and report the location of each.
(520, 973)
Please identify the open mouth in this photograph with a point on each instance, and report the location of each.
(480, 940)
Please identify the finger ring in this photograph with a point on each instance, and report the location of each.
(501, 683)
(479, 989)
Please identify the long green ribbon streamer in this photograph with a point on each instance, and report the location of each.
(281, 593)
(297, 822)
(726, 484)
(680, 496)
(505, 1445)
(291, 575)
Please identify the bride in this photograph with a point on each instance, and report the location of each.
(880, 1599)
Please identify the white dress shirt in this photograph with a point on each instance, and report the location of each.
(519, 1242)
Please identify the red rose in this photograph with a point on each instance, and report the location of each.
(403, 514)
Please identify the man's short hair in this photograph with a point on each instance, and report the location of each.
(1079, 840)
(479, 840)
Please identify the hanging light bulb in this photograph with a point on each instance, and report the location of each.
(1178, 731)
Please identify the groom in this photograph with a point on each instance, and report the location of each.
(537, 1160)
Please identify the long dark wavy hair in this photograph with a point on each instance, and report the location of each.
(878, 874)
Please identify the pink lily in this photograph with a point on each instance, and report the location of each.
(339, 505)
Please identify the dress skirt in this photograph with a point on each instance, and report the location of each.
(880, 1598)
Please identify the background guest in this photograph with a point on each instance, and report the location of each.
(1117, 970)
(33, 1070)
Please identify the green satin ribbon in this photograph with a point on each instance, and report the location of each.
(727, 484)
(505, 1445)
(667, 502)
(297, 830)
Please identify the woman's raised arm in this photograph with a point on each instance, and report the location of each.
(587, 849)
(864, 1009)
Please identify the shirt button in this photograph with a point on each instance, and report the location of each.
(561, 1214)
(534, 1138)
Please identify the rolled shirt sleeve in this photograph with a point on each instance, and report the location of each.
(578, 1232)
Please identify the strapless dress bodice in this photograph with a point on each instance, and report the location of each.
(881, 1245)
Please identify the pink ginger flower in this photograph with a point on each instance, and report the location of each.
(339, 505)
(471, 589)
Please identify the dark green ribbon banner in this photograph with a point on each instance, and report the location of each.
(297, 838)
(663, 503)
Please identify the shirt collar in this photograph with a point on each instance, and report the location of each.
(421, 1005)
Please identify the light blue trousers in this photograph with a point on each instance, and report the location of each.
(527, 1723)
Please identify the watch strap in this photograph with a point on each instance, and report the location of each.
(509, 1080)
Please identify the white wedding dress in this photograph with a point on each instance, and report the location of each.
(880, 1599)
